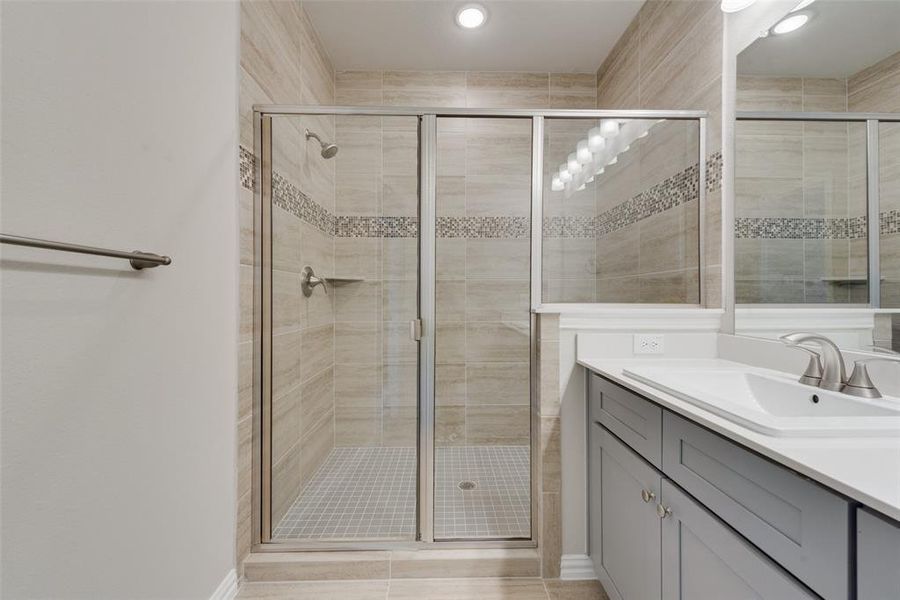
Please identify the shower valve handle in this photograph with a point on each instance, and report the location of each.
(310, 281)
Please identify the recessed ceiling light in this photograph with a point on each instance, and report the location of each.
(471, 16)
(733, 6)
(791, 23)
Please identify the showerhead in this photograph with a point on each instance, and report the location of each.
(328, 150)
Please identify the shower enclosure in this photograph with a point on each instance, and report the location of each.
(399, 258)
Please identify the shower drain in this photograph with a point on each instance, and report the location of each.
(466, 485)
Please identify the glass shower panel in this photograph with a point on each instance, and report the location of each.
(800, 213)
(621, 211)
(345, 370)
(482, 392)
(889, 194)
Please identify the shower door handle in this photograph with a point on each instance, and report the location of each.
(415, 329)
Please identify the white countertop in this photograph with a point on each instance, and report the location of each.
(864, 469)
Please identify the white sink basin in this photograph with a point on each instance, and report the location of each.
(773, 404)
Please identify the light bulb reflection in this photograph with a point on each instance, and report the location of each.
(609, 128)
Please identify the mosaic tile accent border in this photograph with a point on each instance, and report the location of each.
(447, 227)
(714, 172)
(570, 227)
(889, 222)
(247, 166)
(674, 191)
(483, 227)
(287, 196)
(388, 227)
(798, 228)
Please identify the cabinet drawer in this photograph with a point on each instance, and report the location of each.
(800, 524)
(878, 557)
(636, 421)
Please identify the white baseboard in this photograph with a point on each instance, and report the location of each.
(227, 590)
(576, 566)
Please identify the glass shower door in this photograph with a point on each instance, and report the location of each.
(482, 435)
(343, 420)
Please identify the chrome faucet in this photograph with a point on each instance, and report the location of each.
(832, 372)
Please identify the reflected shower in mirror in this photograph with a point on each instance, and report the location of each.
(803, 186)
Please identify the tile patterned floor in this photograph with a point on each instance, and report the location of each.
(369, 493)
(357, 493)
(499, 506)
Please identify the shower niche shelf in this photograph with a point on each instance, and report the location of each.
(309, 280)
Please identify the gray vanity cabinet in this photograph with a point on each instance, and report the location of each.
(625, 528)
(878, 556)
(703, 559)
(800, 524)
(680, 513)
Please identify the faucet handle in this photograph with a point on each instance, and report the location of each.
(813, 373)
(859, 383)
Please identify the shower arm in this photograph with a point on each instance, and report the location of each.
(313, 134)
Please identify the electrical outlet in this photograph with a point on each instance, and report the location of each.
(645, 343)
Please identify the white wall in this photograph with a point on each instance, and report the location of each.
(609, 334)
(119, 129)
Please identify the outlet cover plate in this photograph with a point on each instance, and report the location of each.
(649, 343)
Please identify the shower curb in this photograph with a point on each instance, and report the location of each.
(392, 564)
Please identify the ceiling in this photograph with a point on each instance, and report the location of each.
(568, 36)
(842, 38)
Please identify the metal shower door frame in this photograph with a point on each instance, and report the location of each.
(262, 299)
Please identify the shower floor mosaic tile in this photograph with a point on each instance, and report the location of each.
(499, 504)
(370, 493)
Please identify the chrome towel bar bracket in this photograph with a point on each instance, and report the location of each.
(137, 259)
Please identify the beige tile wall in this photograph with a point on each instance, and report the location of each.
(670, 57)
(569, 262)
(483, 285)
(654, 260)
(375, 360)
(877, 87)
(798, 170)
(550, 519)
(483, 170)
(282, 61)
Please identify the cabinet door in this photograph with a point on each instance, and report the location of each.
(629, 552)
(702, 558)
(800, 524)
(595, 450)
(877, 556)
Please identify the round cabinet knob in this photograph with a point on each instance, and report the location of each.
(663, 511)
(647, 495)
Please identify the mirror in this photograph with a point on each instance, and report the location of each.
(802, 182)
